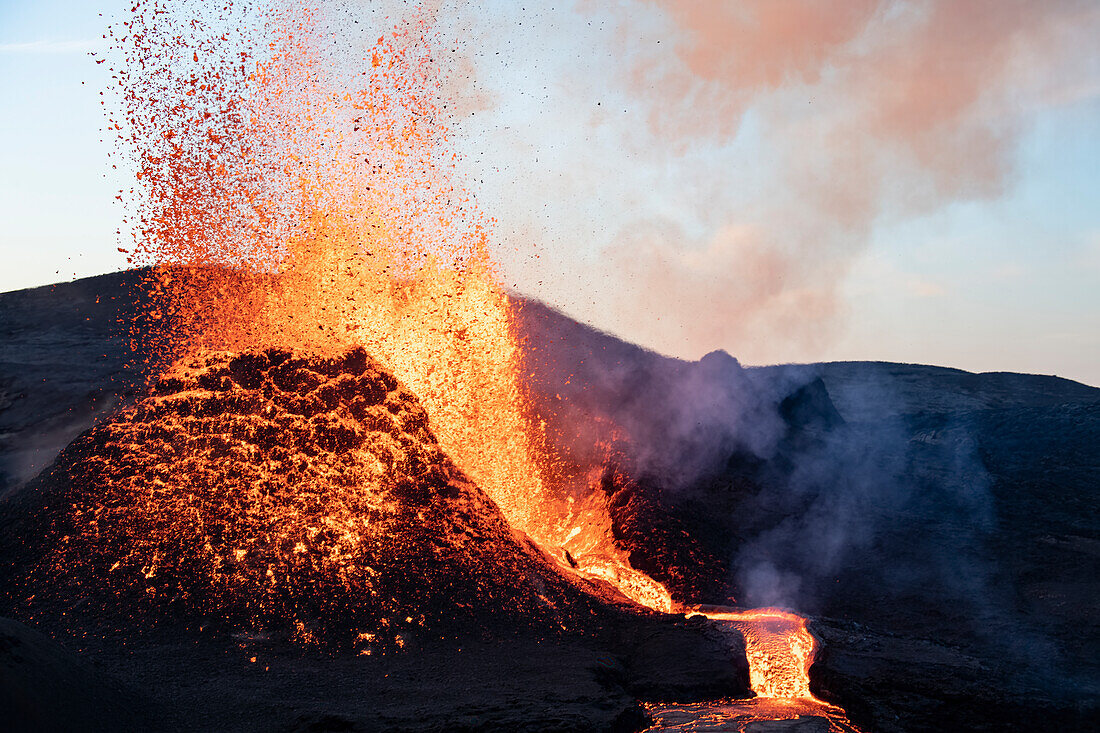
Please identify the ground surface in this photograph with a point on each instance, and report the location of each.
(190, 681)
(939, 527)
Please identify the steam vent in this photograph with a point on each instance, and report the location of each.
(285, 492)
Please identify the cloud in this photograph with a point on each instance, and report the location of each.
(735, 285)
(1089, 255)
(922, 288)
(726, 54)
(934, 82)
(854, 113)
(1008, 272)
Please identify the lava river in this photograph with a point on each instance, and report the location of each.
(780, 650)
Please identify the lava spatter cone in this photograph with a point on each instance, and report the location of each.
(278, 490)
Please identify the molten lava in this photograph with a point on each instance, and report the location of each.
(308, 201)
(300, 210)
(287, 207)
(780, 651)
(779, 648)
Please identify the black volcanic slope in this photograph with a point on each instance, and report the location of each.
(65, 359)
(939, 526)
(942, 526)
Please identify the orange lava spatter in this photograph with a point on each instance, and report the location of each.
(283, 206)
(294, 494)
(296, 198)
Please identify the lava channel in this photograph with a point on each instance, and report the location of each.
(780, 650)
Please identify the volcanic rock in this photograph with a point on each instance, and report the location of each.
(659, 544)
(208, 658)
(45, 687)
(700, 672)
(945, 522)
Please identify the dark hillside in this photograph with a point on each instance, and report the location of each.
(941, 527)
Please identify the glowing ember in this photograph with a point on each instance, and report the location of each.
(300, 210)
(292, 202)
(304, 201)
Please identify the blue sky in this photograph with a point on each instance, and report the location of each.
(618, 203)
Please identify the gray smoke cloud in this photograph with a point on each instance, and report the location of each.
(870, 501)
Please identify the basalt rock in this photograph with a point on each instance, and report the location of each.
(659, 544)
(45, 687)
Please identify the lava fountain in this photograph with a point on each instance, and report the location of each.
(290, 201)
(284, 205)
(308, 201)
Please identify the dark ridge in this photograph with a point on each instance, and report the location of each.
(942, 532)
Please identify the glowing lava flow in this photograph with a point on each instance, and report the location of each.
(780, 650)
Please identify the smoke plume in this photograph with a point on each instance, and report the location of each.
(715, 169)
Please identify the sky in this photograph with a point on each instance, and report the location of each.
(788, 180)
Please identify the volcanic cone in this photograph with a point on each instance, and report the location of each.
(279, 490)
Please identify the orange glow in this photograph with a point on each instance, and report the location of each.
(780, 650)
(286, 205)
(294, 494)
(315, 214)
(288, 209)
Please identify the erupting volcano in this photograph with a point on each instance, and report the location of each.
(336, 445)
(311, 465)
(346, 228)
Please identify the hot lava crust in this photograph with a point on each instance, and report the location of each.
(659, 544)
(278, 490)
